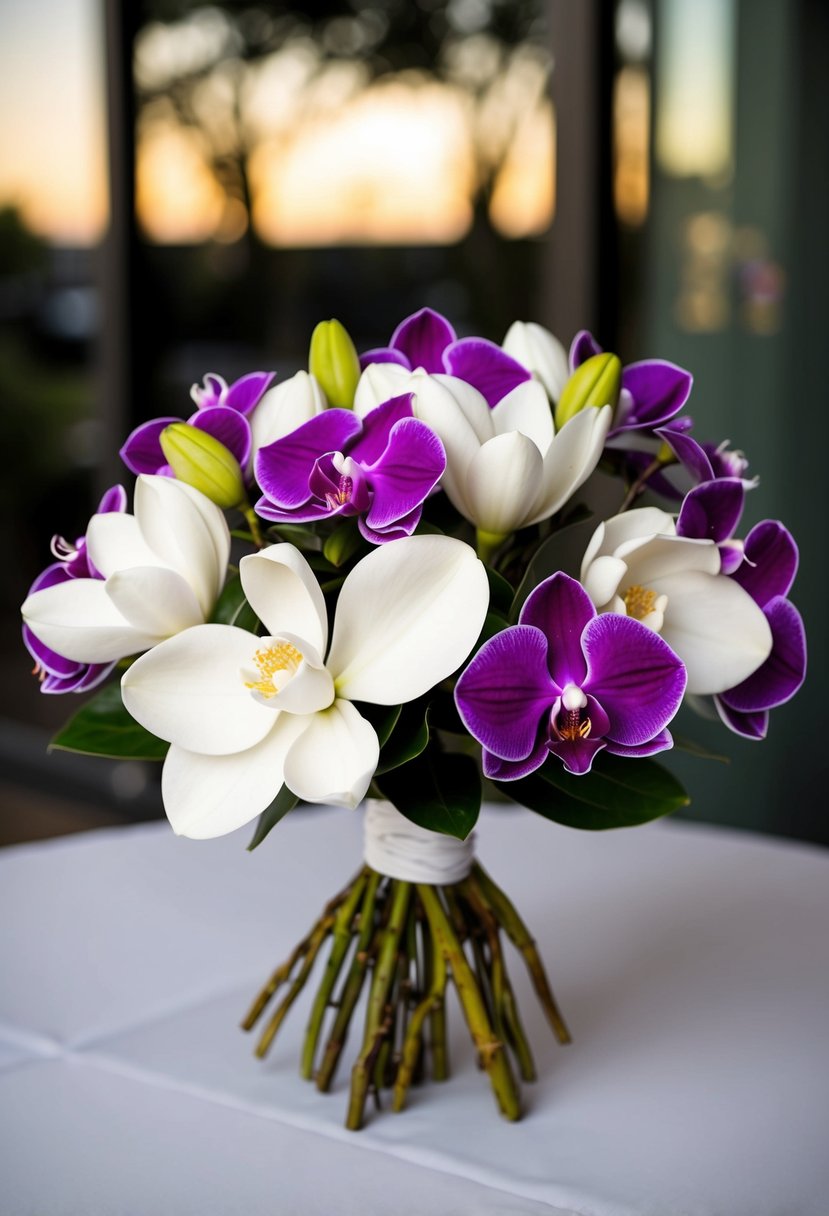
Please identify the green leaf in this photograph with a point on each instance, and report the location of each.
(382, 717)
(683, 744)
(619, 792)
(233, 609)
(299, 535)
(493, 623)
(500, 593)
(102, 727)
(550, 556)
(408, 738)
(343, 543)
(440, 791)
(284, 801)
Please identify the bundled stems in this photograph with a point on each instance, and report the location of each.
(407, 942)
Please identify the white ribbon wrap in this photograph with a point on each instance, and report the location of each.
(400, 849)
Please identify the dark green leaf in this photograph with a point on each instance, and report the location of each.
(382, 717)
(233, 609)
(619, 792)
(284, 801)
(440, 791)
(501, 593)
(408, 738)
(343, 543)
(299, 535)
(493, 623)
(550, 556)
(103, 727)
(443, 713)
(683, 744)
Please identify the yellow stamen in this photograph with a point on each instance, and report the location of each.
(639, 601)
(572, 728)
(278, 659)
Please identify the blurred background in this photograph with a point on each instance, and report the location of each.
(188, 188)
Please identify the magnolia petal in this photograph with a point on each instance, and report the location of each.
(639, 525)
(217, 528)
(191, 691)
(334, 758)
(601, 580)
(501, 483)
(283, 591)
(154, 600)
(207, 796)
(526, 409)
(407, 617)
(115, 542)
(182, 527)
(570, 459)
(378, 383)
(716, 629)
(662, 557)
(541, 352)
(461, 419)
(78, 620)
(284, 408)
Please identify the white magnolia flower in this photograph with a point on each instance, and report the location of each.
(162, 571)
(635, 564)
(506, 467)
(245, 714)
(541, 352)
(284, 408)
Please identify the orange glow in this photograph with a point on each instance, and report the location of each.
(523, 198)
(178, 200)
(392, 165)
(631, 127)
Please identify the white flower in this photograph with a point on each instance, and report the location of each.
(506, 467)
(541, 352)
(245, 714)
(163, 569)
(284, 408)
(635, 564)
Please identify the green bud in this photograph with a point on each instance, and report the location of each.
(204, 463)
(333, 361)
(596, 382)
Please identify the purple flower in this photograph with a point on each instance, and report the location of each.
(652, 390)
(704, 461)
(56, 673)
(767, 573)
(711, 511)
(222, 412)
(567, 681)
(380, 468)
(426, 340)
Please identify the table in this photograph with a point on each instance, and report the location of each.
(692, 964)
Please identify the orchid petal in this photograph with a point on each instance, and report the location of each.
(561, 609)
(49, 660)
(783, 671)
(583, 347)
(372, 441)
(191, 690)
(285, 407)
(404, 526)
(497, 769)
(284, 466)
(659, 743)
(383, 354)
(770, 564)
(283, 591)
(526, 409)
(502, 481)
(210, 392)
(712, 510)
(247, 391)
(716, 629)
(407, 617)
(506, 690)
(635, 676)
(659, 390)
(422, 338)
(154, 600)
(406, 473)
(334, 759)
(570, 459)
(141, 452)
(207, 796)
(577, 755)
(751, 726)
(485, 366)
(230, 428)
(688, 452)
(77, 619)
(537, 349)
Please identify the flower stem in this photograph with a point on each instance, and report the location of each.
(413, 1042)
(252, 520)
(639, 485)
(318, 936)
(487, 544)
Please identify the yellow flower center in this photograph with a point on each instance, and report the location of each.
(639, 601)
(277, 664)
(571, 725)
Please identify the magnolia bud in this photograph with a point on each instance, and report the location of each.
(333, 361)
(596, 382)
(204, 463)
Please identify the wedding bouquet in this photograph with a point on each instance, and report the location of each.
(399, 612)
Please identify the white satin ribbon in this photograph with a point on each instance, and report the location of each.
(400, 849)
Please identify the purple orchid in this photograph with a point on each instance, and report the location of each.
(427, 341)
(652, 392)
(380, 468)
(222, 412)
(703, 461)
(767, 573)
(567, 681)
(711, 511)
(56, 673)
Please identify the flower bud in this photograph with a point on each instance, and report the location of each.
(596, 382)
(203, 462)
(333, 361)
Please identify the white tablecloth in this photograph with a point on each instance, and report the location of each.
(692, 964)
